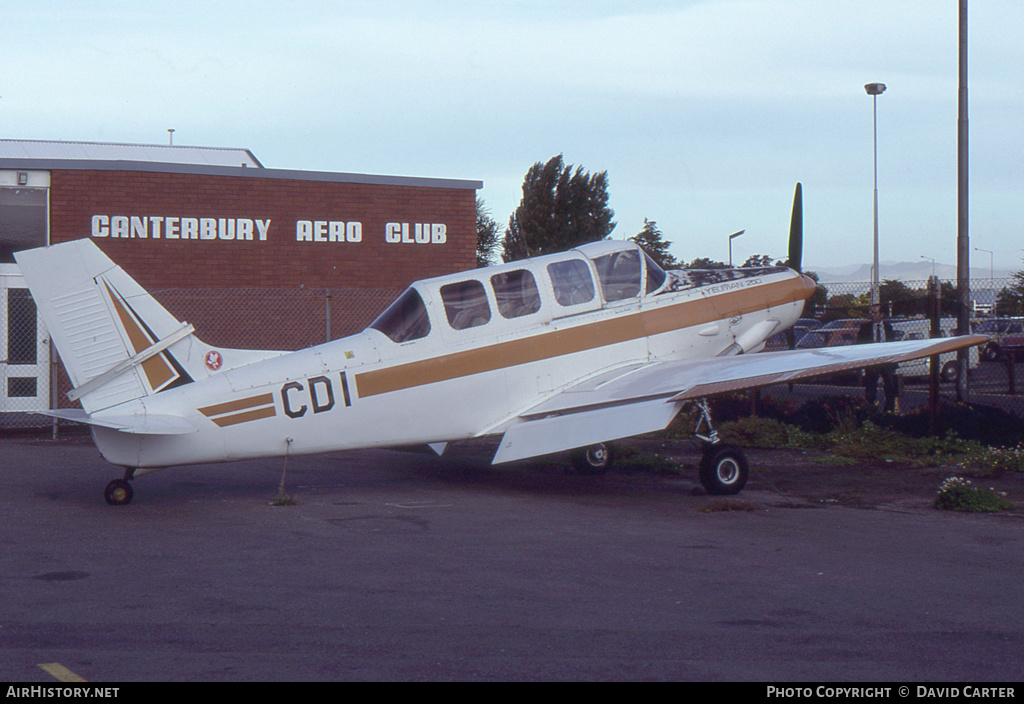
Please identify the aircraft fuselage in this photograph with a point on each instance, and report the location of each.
(458, 380)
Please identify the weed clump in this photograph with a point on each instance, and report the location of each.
(994, 460)
(957, 494)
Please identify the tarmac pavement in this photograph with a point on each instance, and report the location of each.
(395, 566)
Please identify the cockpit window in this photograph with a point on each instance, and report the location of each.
(465, 304)
(655, 275)
(405, 319)
(620, 274)
(516, 292)
(572, 282)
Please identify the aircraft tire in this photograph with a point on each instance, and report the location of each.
(723, 470)
(118, 493)
(949, 372)
(595, 459)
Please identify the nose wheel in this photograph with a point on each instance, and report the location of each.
(119, 492)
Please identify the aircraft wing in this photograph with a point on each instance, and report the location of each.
(646, 397)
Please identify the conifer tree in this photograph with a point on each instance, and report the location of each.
(488, 237)
(562, 207)
(655, 244)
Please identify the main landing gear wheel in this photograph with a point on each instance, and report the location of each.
(595, 459)
(118, 493)
(723, 470)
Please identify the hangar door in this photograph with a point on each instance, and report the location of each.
(24, 348)
(24, 344)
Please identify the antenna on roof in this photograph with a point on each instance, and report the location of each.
(170, 136)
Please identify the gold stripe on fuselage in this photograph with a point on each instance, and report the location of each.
(241, 410)
(584, 337)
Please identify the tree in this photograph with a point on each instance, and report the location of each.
(757, 260)
(818, 301)
(488, 237)
(705, 263)
(561, 208)
(1010, 300)
(654, 243)
(848, 305)
(898, 299)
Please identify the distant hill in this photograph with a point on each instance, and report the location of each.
(903, 271)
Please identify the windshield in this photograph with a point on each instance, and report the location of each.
(655, 275)
(404, 320)
(619, 273)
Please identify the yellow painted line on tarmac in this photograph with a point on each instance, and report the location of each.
(61, 673)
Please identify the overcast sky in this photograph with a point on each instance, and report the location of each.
(705, 114)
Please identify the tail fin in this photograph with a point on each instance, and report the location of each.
(115, 340)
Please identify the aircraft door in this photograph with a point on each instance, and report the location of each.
(24, 348)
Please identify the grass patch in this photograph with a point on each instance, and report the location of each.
(853, 440)
(631, 460)
(755, 431)
(871, 441)
(835, 461)
(720, 505)
(994, 460)
(957, 494)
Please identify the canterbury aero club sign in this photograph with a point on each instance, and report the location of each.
(255, 229)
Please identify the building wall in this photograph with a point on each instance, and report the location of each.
(182, 230)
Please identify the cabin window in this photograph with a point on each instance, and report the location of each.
(465, 304)
(516, 293)
(405, 319)
(655, 275)
(620, 274)
(572, 282)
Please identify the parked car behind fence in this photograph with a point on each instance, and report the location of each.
(919, 329)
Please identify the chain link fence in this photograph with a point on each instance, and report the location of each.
(248, 318)
(839, 308)
(275, 319)
(290, 319)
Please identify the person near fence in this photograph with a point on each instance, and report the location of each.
(879, 330)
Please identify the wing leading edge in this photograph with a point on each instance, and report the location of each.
(645, 398)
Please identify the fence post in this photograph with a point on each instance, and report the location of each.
(934, 314)
(327, 314)
(1011, 372)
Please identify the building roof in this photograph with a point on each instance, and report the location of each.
(161, 158)
(100, 151)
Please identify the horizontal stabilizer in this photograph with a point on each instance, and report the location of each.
(135, 425)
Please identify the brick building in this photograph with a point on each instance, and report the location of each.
(201, 224)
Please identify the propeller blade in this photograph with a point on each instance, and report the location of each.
(796, 245)
(796, 230)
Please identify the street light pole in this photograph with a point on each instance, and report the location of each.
(731, 238)
(932, 260)
(875, 90)
(991, 263)
(963, 240)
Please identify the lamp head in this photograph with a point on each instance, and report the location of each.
(875, 88)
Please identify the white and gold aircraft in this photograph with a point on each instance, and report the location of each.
(555, 353)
